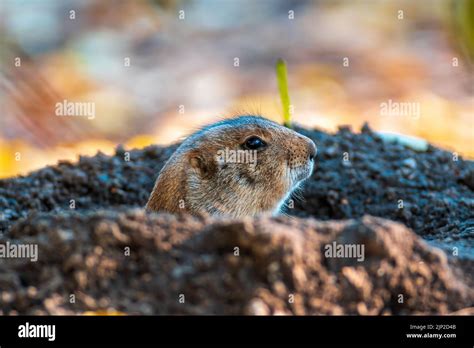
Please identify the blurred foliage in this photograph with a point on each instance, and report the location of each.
(181, 73)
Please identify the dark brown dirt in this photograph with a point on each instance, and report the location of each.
(82, 249)
(280, 269)
(437, 192)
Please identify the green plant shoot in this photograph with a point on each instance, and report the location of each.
(283, 87)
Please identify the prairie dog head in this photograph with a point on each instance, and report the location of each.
(243, 166)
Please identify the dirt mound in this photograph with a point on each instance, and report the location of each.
(186, 265)
(355, 174)
(432, 192)
(93, 182)
(84, 217)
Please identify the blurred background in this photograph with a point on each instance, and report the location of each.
(156, 70)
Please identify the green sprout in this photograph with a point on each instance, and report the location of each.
(283, 87)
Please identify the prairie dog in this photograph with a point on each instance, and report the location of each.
(244, 166)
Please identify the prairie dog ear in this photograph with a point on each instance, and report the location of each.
(204, 165)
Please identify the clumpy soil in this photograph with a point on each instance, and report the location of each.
(84, 216)
(431, 192)
(186, 265)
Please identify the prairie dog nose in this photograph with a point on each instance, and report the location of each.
(309, 147)
(301, 151)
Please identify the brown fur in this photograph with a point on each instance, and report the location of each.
(194, 181)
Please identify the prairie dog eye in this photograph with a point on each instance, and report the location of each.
(254, 143)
